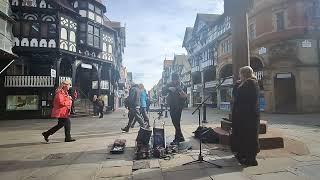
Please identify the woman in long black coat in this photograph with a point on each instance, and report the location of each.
(246, 118)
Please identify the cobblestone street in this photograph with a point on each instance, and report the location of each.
(25, 155)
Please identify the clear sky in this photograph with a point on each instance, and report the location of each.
(155, 31)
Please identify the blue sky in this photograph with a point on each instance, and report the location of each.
(155, 30)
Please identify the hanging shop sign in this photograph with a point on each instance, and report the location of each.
(53, 73)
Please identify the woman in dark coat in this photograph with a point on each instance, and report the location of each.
(246, 118)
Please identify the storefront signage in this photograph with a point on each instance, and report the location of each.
(284, 76)
(86, 66)
(262, 50)
(22, 102)
(53, 73)
(306, 44)
(210, 84)
(94, 84)
(104, 85)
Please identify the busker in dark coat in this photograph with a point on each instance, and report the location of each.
(134, 106)
(176, 99)
(246, 118)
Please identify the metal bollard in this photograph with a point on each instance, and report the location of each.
(166, 112)
(204, 117)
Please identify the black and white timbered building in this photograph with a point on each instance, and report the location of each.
(57, 40)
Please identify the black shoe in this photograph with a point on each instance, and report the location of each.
(69, 140)
(126, 129)
(250, 163)
(100, 117)
(45, 136)
(132, 126)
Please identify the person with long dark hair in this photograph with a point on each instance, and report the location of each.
(246, 118)
(61, 110)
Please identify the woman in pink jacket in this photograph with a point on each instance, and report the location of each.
(61, 109)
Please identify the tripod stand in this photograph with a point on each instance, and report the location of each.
(200, 156)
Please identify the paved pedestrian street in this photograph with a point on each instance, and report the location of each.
(25, 155)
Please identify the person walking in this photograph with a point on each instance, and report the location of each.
(143, 106)
(74, 94)
(100, 107)
(246, 118)
(134, 106)
(61, 109)
(176, 98)
(95, 106)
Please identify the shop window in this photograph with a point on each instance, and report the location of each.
(280, 21)
(35, 29)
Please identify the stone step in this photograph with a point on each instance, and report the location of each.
(271, 140)
(226, 125)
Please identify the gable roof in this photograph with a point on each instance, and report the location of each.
(187, 35)
(208, 19)
(65, 4)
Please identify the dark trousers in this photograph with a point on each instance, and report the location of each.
(62, 122)
(143, 113)
(101, 112)
(134, 115)
(175, 113)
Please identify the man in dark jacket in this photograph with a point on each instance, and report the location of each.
(176, 99)
(134, 106)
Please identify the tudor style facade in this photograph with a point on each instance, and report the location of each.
(284, 53)
(57, 40)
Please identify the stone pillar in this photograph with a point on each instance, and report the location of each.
(237, 10)
(58, 63)
(99, 79)
(203, 86)
(74, 72)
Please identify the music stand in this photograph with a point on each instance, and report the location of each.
(200, 156)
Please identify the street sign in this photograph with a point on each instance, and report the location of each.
(53, 73)
(306, 44)
(86, 66)
(284, 76)
(262, 50)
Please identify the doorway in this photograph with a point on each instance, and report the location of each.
(84, 79)
(285, 93)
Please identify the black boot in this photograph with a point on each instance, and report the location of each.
(250, 160)
(126, 129)
(45, 136)
(69, 140)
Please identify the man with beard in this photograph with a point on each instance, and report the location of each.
(176, 99)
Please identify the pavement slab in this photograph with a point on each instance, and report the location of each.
(278, 175)
(154, 174)
(187, 174)
(270, 165)
(112, 172)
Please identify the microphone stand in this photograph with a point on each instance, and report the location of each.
(200, 156)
